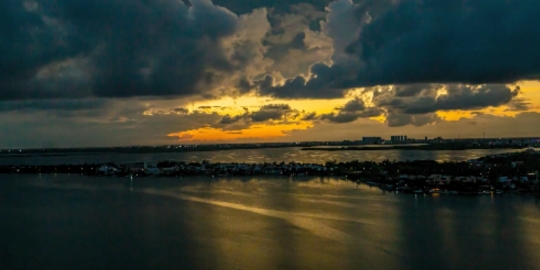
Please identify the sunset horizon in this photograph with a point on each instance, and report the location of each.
(93, 73)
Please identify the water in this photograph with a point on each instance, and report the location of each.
(72, 222)
(253, 156)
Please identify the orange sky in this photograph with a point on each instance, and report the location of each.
(256, 132)
(280, 130)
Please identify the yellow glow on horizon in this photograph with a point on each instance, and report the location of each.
(256, 132)
(530, 92)
(456, 115)
(380, 119)
(235, 106)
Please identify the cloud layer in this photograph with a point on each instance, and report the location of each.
(117, 48)
(139, 64)
(407, 42)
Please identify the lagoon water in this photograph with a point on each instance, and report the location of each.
(74, 222)
(251, 156)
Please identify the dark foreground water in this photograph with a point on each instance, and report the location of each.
(71, 222)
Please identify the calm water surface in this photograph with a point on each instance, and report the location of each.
(71, 222)
(255, 156)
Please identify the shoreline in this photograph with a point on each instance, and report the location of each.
(129, 182)
(405, 147)
(504, 173)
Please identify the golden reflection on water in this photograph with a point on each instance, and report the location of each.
(445, 220)
(293, 224)
(291, 244)
(529, 222)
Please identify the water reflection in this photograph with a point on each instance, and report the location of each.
(256, 156)
(252, 223)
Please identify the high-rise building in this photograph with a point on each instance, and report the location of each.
(398, 139)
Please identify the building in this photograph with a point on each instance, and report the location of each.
(372, 140)
(398, 139)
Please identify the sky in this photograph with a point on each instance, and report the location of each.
(82, 73)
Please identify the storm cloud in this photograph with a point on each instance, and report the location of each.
(351, 111)
(281, 5)
(152, 65)
(270, 112)
(117, 48)
(408, 42)
(429, 98)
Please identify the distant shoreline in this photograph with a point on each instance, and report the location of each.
(428, 147)
(494, 174)
(329, 148)
(346, 145)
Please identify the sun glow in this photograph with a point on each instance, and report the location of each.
(276, 130)
(255, 132)
(235, 106)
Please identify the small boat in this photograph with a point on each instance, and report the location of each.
(417, 191)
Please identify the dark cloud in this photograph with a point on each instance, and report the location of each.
(54, 105)
(227, 119)
(462, 97)
(351, 111)
(394, 119)
(518, 104)
(429, 98)
(179, 111)
(271, 112)
(411, 90)
(117, 48)
(173, 111)
(244, 85)
(309, 117)
(476, 42)
(354, 106)
(417, 42)
(282, 5)
(319, 86)
(474, 97)
(294, 42)
(127, 129)
(263, 114)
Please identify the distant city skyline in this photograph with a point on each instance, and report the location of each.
(111, 73)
